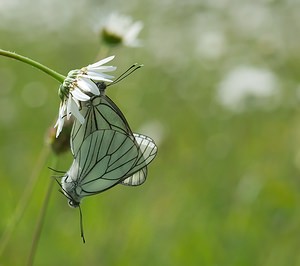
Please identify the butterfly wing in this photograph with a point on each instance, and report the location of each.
(104, 159)
(100, 113)
(147, 152)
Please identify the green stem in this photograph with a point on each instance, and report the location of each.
(24, 200)
(41, 220)
(35, 64)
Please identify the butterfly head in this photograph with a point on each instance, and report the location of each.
(102, 87)
(73, 203)
(68, 187)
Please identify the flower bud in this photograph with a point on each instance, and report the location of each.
(60, 144)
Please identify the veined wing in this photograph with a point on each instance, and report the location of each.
(104, 159)
(147, 152)
(100, 113)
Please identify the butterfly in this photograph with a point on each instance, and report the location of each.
(105, 151)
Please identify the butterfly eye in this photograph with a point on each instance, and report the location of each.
(101, 86)
(73, 203)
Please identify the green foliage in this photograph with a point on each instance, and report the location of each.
(225, 186)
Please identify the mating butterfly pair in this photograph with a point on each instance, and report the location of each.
(105, 151)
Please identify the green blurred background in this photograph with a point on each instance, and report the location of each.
(219, 93)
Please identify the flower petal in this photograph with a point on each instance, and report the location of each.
(101, 69)
(101, 62)
(61, 118)
(86, 84)
(69, 103)
(79, 95)
(130, 38)
(75, 111)
(98, 77)
(59, 124)
(77, 102)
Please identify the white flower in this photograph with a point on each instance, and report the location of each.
(95, 71)
(247, 82)
(120, 29)
(79, 86)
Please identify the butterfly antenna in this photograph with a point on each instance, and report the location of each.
(59, 184)
(56, 171)
(81, 225)
(126, 73)
(63, 191)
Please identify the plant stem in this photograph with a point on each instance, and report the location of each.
(41, 219)
(35, 64)
(24, 200)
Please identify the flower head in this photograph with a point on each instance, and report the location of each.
(120, 29)
(79, 86)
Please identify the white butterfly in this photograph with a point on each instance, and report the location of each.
(106, 152)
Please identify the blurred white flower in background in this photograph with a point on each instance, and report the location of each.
(155, 129)
(211, 44)
(121, 29)
(247, 82)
